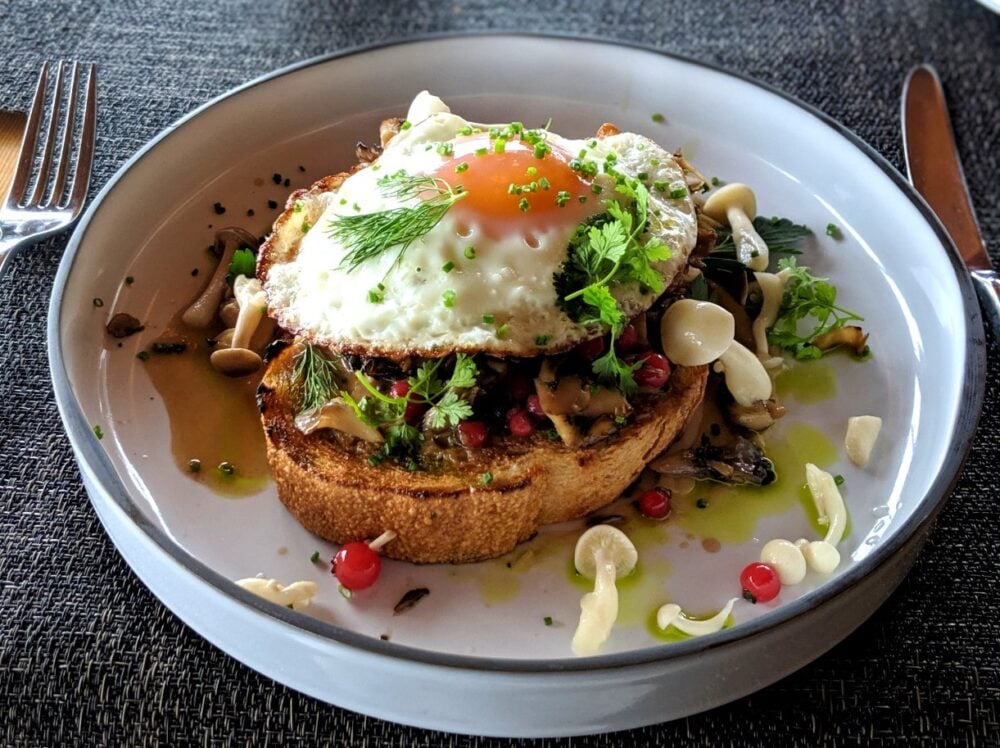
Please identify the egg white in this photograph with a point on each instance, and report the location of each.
(503, 301)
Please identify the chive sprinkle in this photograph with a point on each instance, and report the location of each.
(314, 557)
(448, 298)
(486, 478)
(461, 167)
(448, 266)
(470, 253)
(488, 319)
(658, 118)
(548, 620)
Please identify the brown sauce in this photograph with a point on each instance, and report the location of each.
(213, 418)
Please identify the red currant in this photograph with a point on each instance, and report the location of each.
(519, 386)
(414, 410)
(654, 372)
(535, 407)
(628, 338)
(591, 349)
(760, 582)
(655, 503)
(472, 434)
(520, 424)
(357, 566)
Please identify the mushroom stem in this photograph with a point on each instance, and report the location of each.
(772, 288)
(246, 323)
(202, 311)
(751, 250)
(746, 377)
(238, 360)
(598, 609)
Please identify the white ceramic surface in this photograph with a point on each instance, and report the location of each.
(476, 637)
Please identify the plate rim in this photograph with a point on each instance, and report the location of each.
(957, 450)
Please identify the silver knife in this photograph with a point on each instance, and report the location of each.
(935, 170)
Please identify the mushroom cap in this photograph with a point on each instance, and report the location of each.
(694, 333)
(620, 549)
(735, 194)
(236, 362)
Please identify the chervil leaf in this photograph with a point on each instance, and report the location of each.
(464, 374)
(450, 409)
(599, 298)
(612, 369)
(807, 300)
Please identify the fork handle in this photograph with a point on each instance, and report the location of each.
(8, 246)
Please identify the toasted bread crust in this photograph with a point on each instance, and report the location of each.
(453, 517)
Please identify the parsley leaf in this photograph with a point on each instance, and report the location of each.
(449, 410)
(244, 262)
(810, 300)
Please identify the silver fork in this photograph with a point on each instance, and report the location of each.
(39, 203)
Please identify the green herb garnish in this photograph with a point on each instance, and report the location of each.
(98, 432)
(244, 262)
(783, 238)
(810, 299)
(369, 235)
(486, 478)
(606, 252)
(314, 557)
(316, 374)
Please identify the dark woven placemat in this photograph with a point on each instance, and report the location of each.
(87, 655)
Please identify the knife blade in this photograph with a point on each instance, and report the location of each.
(935, 170)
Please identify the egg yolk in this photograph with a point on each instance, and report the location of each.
(510, 189)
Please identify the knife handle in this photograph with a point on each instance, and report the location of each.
(988, 287)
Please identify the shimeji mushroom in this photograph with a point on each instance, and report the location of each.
(672, 614)
(202, 311)
(862, 431)
(603, 553)
(337, 414)
(695, 333)
(238, 360)
(822, 555)
(295, 596)
(736, 205)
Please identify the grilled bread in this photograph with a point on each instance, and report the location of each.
(476, 504)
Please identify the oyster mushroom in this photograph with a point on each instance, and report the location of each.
(295, 595)
(851, 336)
(337, 414)
(238, 360)
(202, 310)
(862, 431)
(736, 205)
(603, 553)
(672, 614)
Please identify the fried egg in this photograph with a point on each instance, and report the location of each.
(480, 276)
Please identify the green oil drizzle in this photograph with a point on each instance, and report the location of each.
(672, 634)
(807, 382)
(732, 513)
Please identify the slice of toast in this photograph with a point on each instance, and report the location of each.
(485, 503)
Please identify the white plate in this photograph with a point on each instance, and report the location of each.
(479, 638)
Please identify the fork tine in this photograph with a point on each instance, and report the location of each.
(81, 180)
(26, 159)
(50, 139)
(62, 164)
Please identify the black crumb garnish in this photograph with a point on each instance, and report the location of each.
(194, 272)
(276, 178)
(302, 168)
(384, 637)
(178, 347)
(219, 208)
(287, 183)
(272, 204)
(250, 211)
(411, 598)
(122, 325)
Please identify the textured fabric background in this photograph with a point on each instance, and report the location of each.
(88, 656)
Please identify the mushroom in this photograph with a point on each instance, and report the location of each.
(569, 433)
(671, 614)
(822, 557)
(746, 377)
(736, 205)
(603, 553)
(695, 333)
(862, 431)
(561, 397)
(786, 558)
(852, 336)
(202, 310)
(296, 595)
(757, 417)
(238, 360)
(604, 401)
(829, 503)
(122, 325)
(338, 415)
(772, 288)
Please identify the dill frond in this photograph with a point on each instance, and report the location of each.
(316, 374)
(369, 235)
